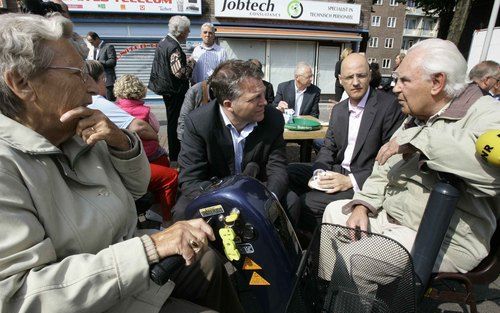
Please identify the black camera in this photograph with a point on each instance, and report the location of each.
(39, 7)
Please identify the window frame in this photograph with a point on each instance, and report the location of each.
(374, 39)
(384, 61)
(391, 18)
(391, 41)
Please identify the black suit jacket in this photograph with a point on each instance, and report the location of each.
(107, 57)
(310, 102)
(207, 150)
(382, 116)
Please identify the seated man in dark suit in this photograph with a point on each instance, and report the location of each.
(299, 94)
(222, 137)
(358, 127)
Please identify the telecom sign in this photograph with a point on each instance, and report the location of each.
(315, 11)
(184, 7)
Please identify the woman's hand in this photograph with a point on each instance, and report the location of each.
(186, 238)
(93, 126)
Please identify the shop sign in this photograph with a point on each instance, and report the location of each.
(183, 7)
(315, 11)
(3, 4)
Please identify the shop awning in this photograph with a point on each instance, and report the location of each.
(277, 33)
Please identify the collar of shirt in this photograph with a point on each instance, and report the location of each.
(244, 132)
(212, 47)
(297, 91)
(431, 119)
(173, 37)
(100, 44)
(361, 105)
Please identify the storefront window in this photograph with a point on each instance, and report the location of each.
(245, 49)
(284, 56)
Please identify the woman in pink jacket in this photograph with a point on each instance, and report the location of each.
(130, 91)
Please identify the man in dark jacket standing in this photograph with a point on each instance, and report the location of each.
(170, 75)
(106, 55)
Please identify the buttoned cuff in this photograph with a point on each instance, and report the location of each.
(150, 248)
(347, 208)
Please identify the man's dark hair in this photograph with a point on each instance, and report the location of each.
(226, 80)
(39, 7)
(93, 35)
(95, 69)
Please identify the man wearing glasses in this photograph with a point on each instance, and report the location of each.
(208, 55)
(485, 74)
(445, 118)
(358, 127)
(299, 93)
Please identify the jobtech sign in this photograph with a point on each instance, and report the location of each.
(184, 7)
(304, 10)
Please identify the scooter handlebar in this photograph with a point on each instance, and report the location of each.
(161, 272)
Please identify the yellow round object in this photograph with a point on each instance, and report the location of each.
(488, 147)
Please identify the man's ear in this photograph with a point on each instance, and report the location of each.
(19, 85)
(228, 105)
(438, 83)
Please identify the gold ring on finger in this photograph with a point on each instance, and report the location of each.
(194, 245)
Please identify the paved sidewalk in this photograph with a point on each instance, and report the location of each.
(488, 297)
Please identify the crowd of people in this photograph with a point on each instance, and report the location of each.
(78, 147)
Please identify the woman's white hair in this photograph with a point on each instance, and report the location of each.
(442, 56)
(178, 24)
(23, 50)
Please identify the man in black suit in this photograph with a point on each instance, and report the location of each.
(299, 94)
(106, 55)
(358, 127)
(222, 137)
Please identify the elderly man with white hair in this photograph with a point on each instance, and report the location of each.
(170, 76)
(208, 55)
(299, 94)
(445, 118)
(486, 75)
(69, 177)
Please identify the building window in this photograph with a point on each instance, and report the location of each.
(375, 20)
(391, 22)
(428, 25)
(393, 3)
(386, 63)
(379, 2)
(389, 43)
(410, 3)
(411, 23)
(372, 60)
(373, 42)
(407, 43)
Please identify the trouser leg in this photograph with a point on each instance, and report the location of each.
(109, 93)
(314, 203)
(163, 184)
(173, 305)
(179, 209)
(206, 283)
(370, 261)
(173, 105)
(298, 176)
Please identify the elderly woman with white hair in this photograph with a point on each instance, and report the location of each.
(68, 182)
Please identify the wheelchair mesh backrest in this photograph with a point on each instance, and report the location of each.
(351, 271)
